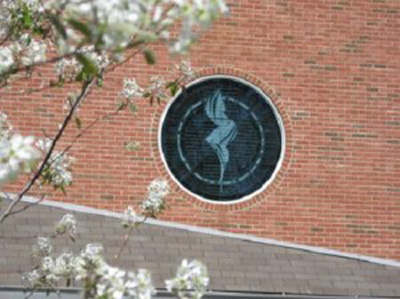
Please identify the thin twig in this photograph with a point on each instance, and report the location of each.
(27, 206)
(6, 196)
(87, 128)
(127, 236)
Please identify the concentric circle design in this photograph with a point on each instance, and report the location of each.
(222, 139)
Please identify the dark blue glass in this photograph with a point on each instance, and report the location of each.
(221, 139)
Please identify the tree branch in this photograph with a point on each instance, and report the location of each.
(88, 127)
(27, 206)
(127, 236)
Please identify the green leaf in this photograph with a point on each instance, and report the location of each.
(135, 43)
(81, 27)
(58, 25)
(132, 108)
(78, 122)
(147, 94)
(26, 17)
(173, 87)
(100, 81)
(89, 68)
(121, 105)
(132, 146)
(62, 188)
(149, 56)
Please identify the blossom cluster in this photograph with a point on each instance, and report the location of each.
(57, 170)
(17, 154)
(24, 51)
(5, 126)
(106, 28)
(43, 247)
(185, 70)
(68, 68)
(101, 280)
(117, 283)
(158, 85)
(156, 89)
(154, 203)
(21, 154)
(131, 89)
(130, 218)
(67, 225)
(191, 280)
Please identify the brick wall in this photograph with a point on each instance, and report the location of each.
(332, 67)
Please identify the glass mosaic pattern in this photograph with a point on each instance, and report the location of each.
(221, 139)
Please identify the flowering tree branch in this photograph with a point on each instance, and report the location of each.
(87, 39)
(84, 91)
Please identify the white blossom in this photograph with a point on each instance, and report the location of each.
(47, 268)
(68, 68)
(57, 168)
(43, 247)
(140, 286)
(116, 283)
(89, 262)
(33, 5)
(5, 18)
(159, 188)
(157, 87)
(6, 59)
(44, 144)
(32, 278)
(191, 280)
(47, 264)
(65, 265)
(185, 70)
(196, 12)
(17, 154)
(111, 283)
(67, 224)
(131, 89)
(60, 164)
(92, 252)
(5, 126)
(130, 218)
(100, 60)
(154, 203)
(34, 53)
(122, 19)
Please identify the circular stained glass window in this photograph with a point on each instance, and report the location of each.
(222, 139)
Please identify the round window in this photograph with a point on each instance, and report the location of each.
(222, 139)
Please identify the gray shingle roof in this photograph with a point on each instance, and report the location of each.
(234, 264)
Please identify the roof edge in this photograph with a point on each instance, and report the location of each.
(210, 294)
(210, 231)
